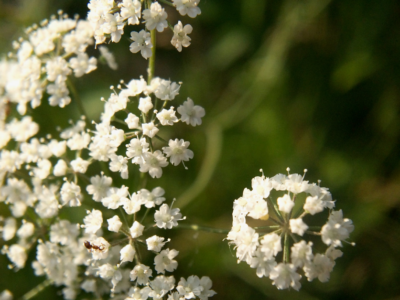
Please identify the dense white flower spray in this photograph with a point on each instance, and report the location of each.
(261, 246)
(106, 254)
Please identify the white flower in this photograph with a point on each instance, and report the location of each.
(9, 229)
(114, 224)
(149, 129)
(167, 218)
(298, 226)
(152, 163)
(285, 203)
(132, 121)
(57, 68)
(145, 104)
(161, 285)
(206, 293)
(190, 288)
(246, 242)
(82, 64)
(136, 148)
(141, 274)
(167, 117)
(131, 10)
(155, 243)
(127, 253)
(164, 261)
(188, 7)
(150, 199)
(313, 205)
(17, 255)
(285, 276)
(99, 187)
(136, 230)
(93, 221)
(264, 266)
(60, 169)
(141, 42)
(190, 113)
(115, 197)
(271, 245)
(166, 90)
(180, 37)
(320, 267)
(155, 17)
(118, 163)
(133, 204)
(301, 254)
(71, 194)
(177, 151)
(79, 165)
(26, 230)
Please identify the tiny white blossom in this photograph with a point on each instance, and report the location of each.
(136, 229)
(155, 243)
(181, 38)
(166, 217)
(152, 163)
(164, 261)
(149, 129)
(114, 224)
(127, 253)
(167, 117)
(155, 17)
(285, 203)
(141, 274)
(145, 104)
(60, 169)
(141, 41)
(79, 165)
(93, 221)
(190, 113)
(189, 7)
(132, 121)
(178, 151)
(298, 226)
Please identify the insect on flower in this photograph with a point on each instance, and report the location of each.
(92, 247)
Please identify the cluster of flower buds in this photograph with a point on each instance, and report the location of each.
(109, 18)
(291, 215)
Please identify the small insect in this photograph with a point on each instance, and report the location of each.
(92, 247)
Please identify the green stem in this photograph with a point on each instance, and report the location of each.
(276, 210)
(286, 249)
(202, 228)
(152, 59)
(36, 290)
(268, 227)
(166, 2)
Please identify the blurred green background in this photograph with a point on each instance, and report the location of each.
(301, 83)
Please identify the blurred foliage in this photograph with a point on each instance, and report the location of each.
(307, 84)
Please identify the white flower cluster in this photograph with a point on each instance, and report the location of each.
(261, 247)
(41, 175)
(42, 63)
(109, 18)
(144, 127)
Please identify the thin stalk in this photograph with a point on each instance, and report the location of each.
(36, 290)
(286, 248)
(276, 210)
(144, 216)
(202, 228)
(166, 2)
(152, 59)
(268, 227)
